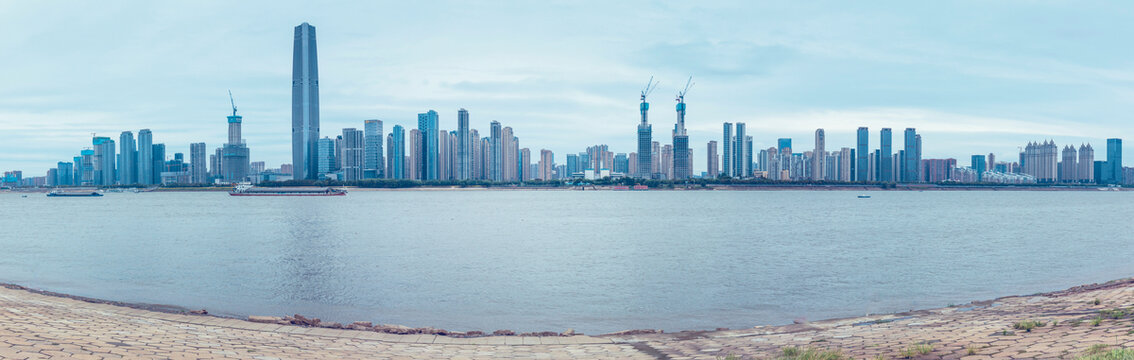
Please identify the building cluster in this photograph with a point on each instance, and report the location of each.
(428, 152)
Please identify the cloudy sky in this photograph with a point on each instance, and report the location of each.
(972, 77)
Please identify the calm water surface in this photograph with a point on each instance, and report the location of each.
(550, 260)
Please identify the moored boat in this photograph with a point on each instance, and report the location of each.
(74, 193)
(249, 190)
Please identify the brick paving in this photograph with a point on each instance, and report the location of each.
(34, 326)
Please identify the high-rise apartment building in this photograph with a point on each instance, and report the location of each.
(1041, 161)
(495, 152)
(305, 104)
(464, 146)
(104, 158)
(1086, 173)
(546, 165)
(198, 171)
(712, 160)
(128, 159)
(912, 157)
(820, 155)
(1069, 167)
(374, 166)
(739, 161)
(326, 157)
(397, 153)
(727, 152)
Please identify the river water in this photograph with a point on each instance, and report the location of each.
(595, 261)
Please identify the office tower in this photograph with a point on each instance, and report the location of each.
(326, 157)
(198, 171)
(128, 153)
(464, 146)
(748, 156)
(1086, 173)
(397, 153)
(235, 156)
(494, 152)
(572, 165)
(64, 174)
(885, 169)
(158, 162)
(427, 127)
(621, 163)
(862, 155)
(713, 160)
(1114, 161)
(338, 153)
(978, 166)
(374, 166)
(912, 160)
(104, 158)
(1069, 167)
(820, 155)
(738, 161)
(727, 152)
(546, 164)
(145, 159)
(353, 153)
(646, 159)
(304, 104)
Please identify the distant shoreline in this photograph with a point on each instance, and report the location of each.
(714, 187)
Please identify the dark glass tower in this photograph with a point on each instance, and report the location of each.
(304, 105)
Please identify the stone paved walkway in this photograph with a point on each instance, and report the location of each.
(34, 326)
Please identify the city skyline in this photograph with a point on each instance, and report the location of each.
(582, 110)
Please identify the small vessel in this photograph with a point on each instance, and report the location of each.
(249, 190)
(74, 193)
(863, 196)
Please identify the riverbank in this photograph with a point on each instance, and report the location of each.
(1062, 324)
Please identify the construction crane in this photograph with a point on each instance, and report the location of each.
(681, 95)
(650, 86)
(233, 102)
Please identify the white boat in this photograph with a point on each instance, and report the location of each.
(863, 196)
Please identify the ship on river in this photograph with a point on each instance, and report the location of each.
(249, 190)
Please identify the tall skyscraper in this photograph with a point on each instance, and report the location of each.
(198, 171)
(739, 162)
(354, 158)
(862, 155)
(726, 147)
(128, 159)
(104, 159)
(495, 153)
(427, 159)
(546, 164)
(713, 161)
(819, 156)
(1069, 167)
(1114, 161)
(681, 168)
(1041, 160)
(978, 166)
(375, 165)
(304, 104)
(397, 152)
(912, 160)
(885, 163)
(145, 158)
(464, 146)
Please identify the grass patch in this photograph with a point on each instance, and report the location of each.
(810, 353)
(916, 350)
(728, 357)
(1114, 313)
(1028, 325)
(1075, 322)
(1100, 352)
(971, 350)
(1096, 302)
(1096, 321)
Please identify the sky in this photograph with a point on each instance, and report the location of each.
(973, 77)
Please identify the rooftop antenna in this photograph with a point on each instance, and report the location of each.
(230, 100)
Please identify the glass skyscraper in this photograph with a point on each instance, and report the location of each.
(885, 162)
(304, 105)
(427, 159)
(146, 158)
(375, 166)
(464, 146)
(1114, 161)
(862, 159)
